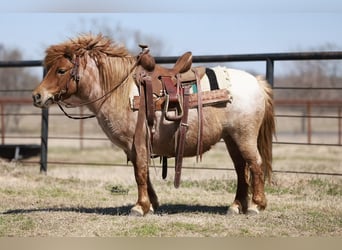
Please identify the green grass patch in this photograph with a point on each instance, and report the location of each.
(325, 187)
(316, 185)
(117, 189)
(41, 192)
(184, 226)
(278, 190)
(54, 192)
(15, 225)
(145, 230)
(318, 222)
(209, 185)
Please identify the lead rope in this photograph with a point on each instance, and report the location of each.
(74, 117)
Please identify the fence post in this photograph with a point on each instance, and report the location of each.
(44, 137)
(270, 71)
(44, 140)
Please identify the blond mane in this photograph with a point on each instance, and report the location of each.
(113, 60)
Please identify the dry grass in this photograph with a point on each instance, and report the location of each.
(95, 201)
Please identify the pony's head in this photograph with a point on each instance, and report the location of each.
(66, 64)
(60, 82)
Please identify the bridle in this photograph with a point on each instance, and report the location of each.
(74, 76)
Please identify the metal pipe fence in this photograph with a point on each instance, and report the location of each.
(268, 59)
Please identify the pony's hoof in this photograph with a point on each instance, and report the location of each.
(136, 211)
(233, 210)
(151, 211)
(253, 210)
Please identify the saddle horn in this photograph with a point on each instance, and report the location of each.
(145, 59)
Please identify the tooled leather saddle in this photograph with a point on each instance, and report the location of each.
(169, 90)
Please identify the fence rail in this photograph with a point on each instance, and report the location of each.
(269, 60)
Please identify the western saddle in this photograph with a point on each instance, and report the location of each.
(169, 90)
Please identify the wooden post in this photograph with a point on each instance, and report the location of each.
(308, 114)
(339, 125)
(2, 124)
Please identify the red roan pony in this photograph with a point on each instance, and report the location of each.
(94, 68)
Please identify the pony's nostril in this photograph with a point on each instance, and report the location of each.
(37, 98)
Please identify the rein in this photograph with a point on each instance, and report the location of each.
(75, 76)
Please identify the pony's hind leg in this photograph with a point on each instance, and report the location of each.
(248, 166)
(240, 204)
(254, 176)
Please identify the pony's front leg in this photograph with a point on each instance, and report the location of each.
(140, 159)
(152, 194)
(143, 200)
(143, 204)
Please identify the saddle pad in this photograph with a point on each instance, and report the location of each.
(215, 78)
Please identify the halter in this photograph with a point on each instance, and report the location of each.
(74, 75)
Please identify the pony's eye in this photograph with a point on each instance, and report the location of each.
(61, 71)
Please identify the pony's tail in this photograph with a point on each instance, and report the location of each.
(267, 130)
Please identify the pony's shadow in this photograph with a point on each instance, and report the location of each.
(125, 210)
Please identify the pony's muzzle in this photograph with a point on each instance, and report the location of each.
(41, 102)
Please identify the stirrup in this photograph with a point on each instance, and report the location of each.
(179, 109)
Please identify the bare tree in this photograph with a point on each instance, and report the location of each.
(129, 37)
(14, 82)
(312, 74)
